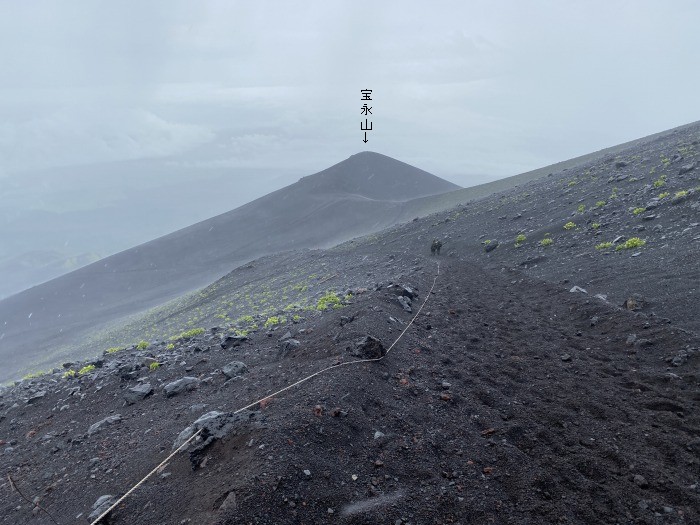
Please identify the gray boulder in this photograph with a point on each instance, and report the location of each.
(287, 346)
(110, 420)
(181, 385)
(687, 167)
(138, 393)
(234, 369)
(232, 341)
(101, 505)
(214, 425)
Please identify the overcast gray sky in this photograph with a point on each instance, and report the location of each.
(468, 90)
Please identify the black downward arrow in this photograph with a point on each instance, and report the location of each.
(365, 139)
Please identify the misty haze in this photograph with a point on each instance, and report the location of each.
(349, 263)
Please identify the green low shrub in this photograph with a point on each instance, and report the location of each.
(632, 242)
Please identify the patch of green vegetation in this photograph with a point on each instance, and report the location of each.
(155, 365)
(297, 318)
(664, 195)
(142, 345)
(547, 241)
(188, 334)
(613, 195)
(246, 319)
(329, 300)
(680, 194)
(572, 183)
(600, 204)
(637, 211)
(170, 346)
(86, 370)
(653, 170)
(595, 225)
(34, 375)
(603, 245)
(661, 181)
(632, 242)
(113, 350)
(570, 225)
(273, 321)
(581, 208)
(68, 374)
(486, 242)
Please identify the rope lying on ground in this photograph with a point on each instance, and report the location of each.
(251, 405)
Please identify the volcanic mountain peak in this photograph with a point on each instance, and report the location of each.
(376, 176)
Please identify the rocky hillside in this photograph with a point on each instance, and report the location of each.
(359, 195)
(541, 382)
(509, 400)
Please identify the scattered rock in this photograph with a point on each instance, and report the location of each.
(181, 385)
(578, 289)
(234, 369)
(491, 246)
(687, 167)
(101, 505)
(213, 425)
(232, 341)
(566, 358)
(36, 396)
(369, 347)
(287, 347)
(634, 302)
(405, 303)
(110, 420)
(137, 393)
(640, 481)
(287, 335)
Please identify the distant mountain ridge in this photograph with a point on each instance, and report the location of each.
(359, 195)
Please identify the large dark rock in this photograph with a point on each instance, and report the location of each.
(137, 393)
(491, 246)
(234, 369)
(232, 341)
(214, 425)
(181, 385)
(369, 347)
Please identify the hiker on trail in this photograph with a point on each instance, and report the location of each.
(435, 247)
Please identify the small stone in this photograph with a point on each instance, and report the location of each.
(307, 472)
(405, 303)
(378, 435)
(566, 358)
(640, 481)
(577, 289)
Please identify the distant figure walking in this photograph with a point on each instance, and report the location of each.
(435, 247)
